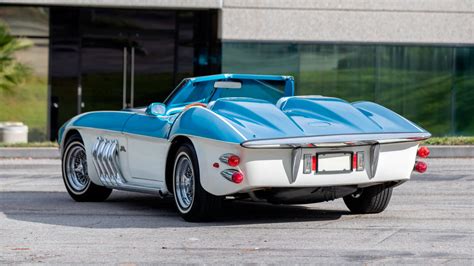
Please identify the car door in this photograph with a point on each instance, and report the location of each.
(147, 148)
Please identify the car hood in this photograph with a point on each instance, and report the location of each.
(308, 116)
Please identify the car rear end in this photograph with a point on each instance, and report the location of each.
(359, 160)
(328, 166)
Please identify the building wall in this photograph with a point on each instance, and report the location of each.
(380, 21)
(123, 3)
(414, 57)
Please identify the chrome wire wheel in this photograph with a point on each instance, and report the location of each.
(184, 182)
(76, 168)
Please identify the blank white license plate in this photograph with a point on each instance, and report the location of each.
(334, 162)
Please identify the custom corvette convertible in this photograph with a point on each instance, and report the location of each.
(235, 136)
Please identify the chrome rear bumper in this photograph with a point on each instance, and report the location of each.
(339, 140)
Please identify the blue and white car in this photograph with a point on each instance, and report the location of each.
(236, 136)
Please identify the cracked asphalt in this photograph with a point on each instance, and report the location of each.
(430, 220)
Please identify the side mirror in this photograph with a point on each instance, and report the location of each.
(156, 109)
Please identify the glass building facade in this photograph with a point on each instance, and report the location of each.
(432, 86)
(85, 59)
(109, 59)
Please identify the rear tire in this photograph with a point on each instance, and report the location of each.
(369, 200)
(75, 175)
(193, 203)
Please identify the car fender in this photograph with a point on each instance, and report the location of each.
(201, 122)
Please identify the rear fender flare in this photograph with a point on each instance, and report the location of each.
(202, 122)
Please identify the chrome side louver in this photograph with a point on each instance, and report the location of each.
(106, 162)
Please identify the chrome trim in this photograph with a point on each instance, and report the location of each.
(224, 158)
(295, 164)
(105, 157)
(103, 161)
(360, 161)
(374, 160)
(161, 191)
(102, 154)
(94, 160)
(98, 157)
(227, 174)
(307, 163)
(341, 140)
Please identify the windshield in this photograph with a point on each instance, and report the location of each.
(268, 90)
(191, 93)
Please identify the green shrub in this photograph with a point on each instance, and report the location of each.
(12, 72)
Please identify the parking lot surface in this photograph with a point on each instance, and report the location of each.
(429, 220)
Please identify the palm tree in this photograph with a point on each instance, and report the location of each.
(12, 72)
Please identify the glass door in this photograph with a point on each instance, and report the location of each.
(152, 64)
(127, 58)
(152, 56)
(104, 73)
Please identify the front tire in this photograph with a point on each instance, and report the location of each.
(75, 175)
(192, 201)
(369, 200)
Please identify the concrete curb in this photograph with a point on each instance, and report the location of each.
(34, 153)
(457, 151)
(461, 151)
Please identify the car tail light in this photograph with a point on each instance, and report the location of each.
(233, 175)
(354, 161)
(420, 167)
(358, 161)
(314, 163)
(237, 177)
(230, 159)
(423, 152)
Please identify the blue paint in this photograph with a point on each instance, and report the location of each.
(256, 118)
(61, 131)
(148, 125)
(290, 87)
(201, 122)
(250, 118)
(109, 120)
(201, 89)
(324, 115)
(239, 76)
(386, 118)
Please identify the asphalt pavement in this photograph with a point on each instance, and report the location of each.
(430, 220)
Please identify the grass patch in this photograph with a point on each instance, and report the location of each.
(449, 141)
(28, 104)
(44, 144)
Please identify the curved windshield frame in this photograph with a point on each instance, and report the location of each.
(204, 92)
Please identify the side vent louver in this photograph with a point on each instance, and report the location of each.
(106, 162)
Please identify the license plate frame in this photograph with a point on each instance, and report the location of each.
(325, 158)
